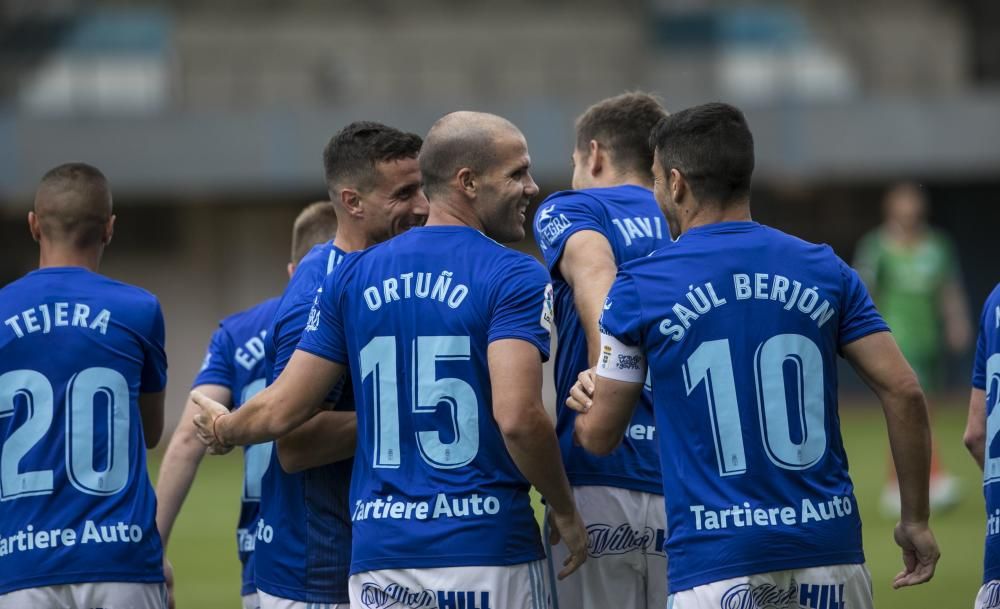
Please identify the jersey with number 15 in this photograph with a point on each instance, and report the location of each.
(433, 484)
(76, 350)
(741, 325)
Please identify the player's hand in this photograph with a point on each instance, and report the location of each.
(206, 420)
(569, 528)
(920, 553)
(582, 393)
(168, 575)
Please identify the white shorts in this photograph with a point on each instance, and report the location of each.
(273, 602)
(989, 595)
(813, 588)
(251, 601)
(106, 595)
(626, 567)
(520, 586)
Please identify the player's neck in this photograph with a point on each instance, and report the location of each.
(612, 179)
(351, 240)
(351, 235)
(712, 214)
(444, 213)
(51, 256)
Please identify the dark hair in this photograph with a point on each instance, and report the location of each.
(352, 153)
(317, 223)
(622, 124)
(73, 204)
(712, 147)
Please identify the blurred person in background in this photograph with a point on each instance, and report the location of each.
(981, 429)
(739, 327)
(444, 331)
(82, 375)
(912, 272)
(584, 234)
(232, 372)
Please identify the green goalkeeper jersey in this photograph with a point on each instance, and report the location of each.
(906, 283)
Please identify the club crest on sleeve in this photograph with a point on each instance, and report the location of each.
(312, 324)
(548, 309)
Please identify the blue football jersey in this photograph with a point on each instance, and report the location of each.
(235, 359)
(76, 350)
(304, 534)
(986, 376)
(433, 484)
(634, 226)
(741, 325)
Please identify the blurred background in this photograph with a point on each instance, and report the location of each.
(209, 118)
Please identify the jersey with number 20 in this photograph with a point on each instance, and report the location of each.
(76, 350)
(433, 484)
(235, 359)
(986, 376)
(741, 325)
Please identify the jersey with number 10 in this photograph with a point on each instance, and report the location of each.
(629, 218)
(76, 350)
(433, 483)
(986, 376)
(235, 360)
(741, 325)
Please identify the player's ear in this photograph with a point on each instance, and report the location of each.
(677, 186)
(34, 227)
(351, 201)
(109, 230)
(595, 158)
(291, 269)
(467, 182)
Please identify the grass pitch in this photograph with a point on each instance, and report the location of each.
(203, 553)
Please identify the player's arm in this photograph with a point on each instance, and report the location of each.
(180, 462)
(606, 396)
(975, 426)
(328, 437)
(516, 377)
(295, 396)
(151, 413)
(878, 361)
(588, 267)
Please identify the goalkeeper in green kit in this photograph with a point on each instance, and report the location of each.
(912, 273)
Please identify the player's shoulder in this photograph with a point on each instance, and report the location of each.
(584, 197)
(794, 241)
(260, 313)
(137, 298)
(574, 202)
(82, 280)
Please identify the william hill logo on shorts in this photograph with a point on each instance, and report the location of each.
(605, 539)
(795, 596)
(393, 595)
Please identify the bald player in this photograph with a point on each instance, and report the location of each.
(82, 373)
(448, 331)
(232, 372)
